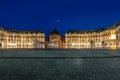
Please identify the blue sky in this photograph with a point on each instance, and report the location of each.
(72, 14)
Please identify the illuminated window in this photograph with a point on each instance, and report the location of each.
(113, 36)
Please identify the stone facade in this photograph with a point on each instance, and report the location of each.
(99, 38)
(54, 39)
(21, 39)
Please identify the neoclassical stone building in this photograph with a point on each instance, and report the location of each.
(54, 39)
(21, 39)
(99, 38)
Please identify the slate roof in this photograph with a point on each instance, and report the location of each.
(21, 31)
(96, 30)
(84, 31)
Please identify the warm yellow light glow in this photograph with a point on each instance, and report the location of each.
(113, 47)
(113, 36)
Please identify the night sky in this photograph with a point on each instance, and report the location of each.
(65, 15)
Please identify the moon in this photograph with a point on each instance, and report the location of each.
(58, 20)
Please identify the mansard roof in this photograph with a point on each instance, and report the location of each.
(85, 31)
(21, 31)
(117, 24)
(25, 31)
(96, 30)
